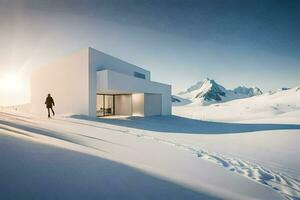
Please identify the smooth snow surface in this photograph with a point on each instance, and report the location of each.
(115, 158)
(273, 149)
(241, 149)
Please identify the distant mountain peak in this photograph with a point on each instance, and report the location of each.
(207, 82)
(271, 92)
(209, 90)
(249, 91)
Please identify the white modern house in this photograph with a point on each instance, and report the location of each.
(93, 83)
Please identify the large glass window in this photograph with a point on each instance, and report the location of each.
(105, 105)
(100, 105)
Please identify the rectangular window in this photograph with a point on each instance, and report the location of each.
(105, 105)
(139, 75)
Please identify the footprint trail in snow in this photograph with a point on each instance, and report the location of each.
(285, 185)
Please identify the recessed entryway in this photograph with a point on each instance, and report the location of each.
(136, 104)
(114, 104)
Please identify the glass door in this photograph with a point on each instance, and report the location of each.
(105, 105)
(108, 105)
(100, 105)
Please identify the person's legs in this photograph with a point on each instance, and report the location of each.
(52, 111)
(48, 112)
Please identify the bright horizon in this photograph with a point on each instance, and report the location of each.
(180, 43)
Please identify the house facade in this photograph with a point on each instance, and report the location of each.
(93, 83)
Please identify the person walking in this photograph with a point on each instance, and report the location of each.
(49, 104)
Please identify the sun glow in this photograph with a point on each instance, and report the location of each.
(10, 83)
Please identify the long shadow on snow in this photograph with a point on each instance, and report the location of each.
(38, 171)
(44, 132)
(176, 124)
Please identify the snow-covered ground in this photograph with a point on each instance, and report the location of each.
(279, 107)
(242, 149)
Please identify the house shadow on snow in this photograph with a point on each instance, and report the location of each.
(177, 124)
(33, 170)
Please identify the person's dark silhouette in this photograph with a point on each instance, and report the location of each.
(49, 104)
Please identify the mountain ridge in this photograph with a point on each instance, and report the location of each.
(208, 90)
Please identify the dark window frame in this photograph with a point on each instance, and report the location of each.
(139, 75)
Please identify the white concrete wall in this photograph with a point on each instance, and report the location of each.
(166, 102)
(92, 84)
(152, 104)
(67, 81)
(138, 104)
(123, 104)
(101, 61)
(120, 83)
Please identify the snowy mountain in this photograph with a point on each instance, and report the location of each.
(178, 101)
(175, 99)
(278, 90)
(209, 91)
(283, 104)
(251, 91)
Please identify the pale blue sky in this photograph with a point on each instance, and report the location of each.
(179, 41)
